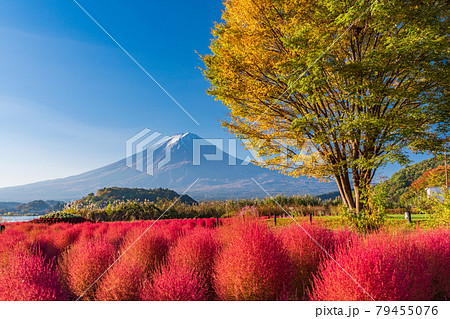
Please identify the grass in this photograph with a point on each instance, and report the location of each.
(336, 222)
(414, 217)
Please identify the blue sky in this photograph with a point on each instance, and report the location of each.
(70, 97)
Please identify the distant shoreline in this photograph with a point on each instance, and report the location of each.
(15, 219)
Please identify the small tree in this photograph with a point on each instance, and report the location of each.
(374, 200)
(361, 80)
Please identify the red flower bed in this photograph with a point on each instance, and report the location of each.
(242, 259)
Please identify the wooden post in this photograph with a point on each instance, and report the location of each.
(275, 219)
(217, 221)
(310, 218)
(408, 217)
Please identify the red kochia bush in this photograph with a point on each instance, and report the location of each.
(254, 265)
(29, 277)
(89, 231)
(435, 247)
(308, 246)
(137, 264)
(117, 231)
(175, 283)
(65, 238)
(210, 223)
(197, 250)
(84, 263)
(45, 244)
(9, 241)
(150, 248)
(387, 267)
(173, 230)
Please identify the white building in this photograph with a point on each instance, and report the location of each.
(437, 192)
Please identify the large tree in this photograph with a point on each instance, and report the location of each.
(361, 80)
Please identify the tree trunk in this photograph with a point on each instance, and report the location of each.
(341, 191)
(352, 196)
(345, 190)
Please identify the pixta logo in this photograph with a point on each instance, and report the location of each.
(140, 151)
(149, 150)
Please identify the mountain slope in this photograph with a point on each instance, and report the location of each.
(400, 181)
(216, 179)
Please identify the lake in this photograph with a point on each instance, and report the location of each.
(13, 219)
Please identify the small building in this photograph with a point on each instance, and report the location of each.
(437, 192)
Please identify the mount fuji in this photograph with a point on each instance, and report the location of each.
(217, 179)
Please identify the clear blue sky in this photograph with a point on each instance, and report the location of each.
(70, 97)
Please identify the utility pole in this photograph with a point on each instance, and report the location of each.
(446, 171)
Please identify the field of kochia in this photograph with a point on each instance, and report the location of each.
(242, 259)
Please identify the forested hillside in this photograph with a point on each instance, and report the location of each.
(106, 196)
(399, 183)
(38, 207)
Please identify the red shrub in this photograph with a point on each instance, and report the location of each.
(435, 247)
(88, 231)
(173, 230)
(197, 250)
(344, 239)
(210, 223)
(122, 282)
(29, 277)
(11, 240)
(254, 265)
(137, 264)
(84, 263)
(387, 267)
(117, 231)
(27, 228)
(56, 239)
(175, 283)
(201, 223)
(45, 244)
(308, 246)
(227, 233)
(150, 248)
(66, 238)
(100, 230)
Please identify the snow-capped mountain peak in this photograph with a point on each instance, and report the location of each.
(216, 178)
